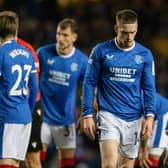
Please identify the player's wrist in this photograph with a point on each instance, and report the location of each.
(87, 116)
(150, 118)
(87, 113)
(149, 115)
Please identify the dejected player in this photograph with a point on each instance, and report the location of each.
(119, 68)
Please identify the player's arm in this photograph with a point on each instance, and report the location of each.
(90, 82)
(149, 90)
(80, 121)
(80, 91)
(143, 156)
(81, 79)
(33, 88)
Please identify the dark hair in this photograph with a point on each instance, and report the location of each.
(9, 23)
(68, 23)
(126, 16)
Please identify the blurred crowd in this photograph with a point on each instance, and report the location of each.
(96, 19)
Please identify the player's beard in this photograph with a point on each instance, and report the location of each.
(66, 47)
(62, 49)
(126, 44)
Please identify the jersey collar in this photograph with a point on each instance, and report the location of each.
(124, 49)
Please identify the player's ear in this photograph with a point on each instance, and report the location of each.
(115, 28)
(75, 37)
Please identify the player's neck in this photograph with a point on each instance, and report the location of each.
(2, 41)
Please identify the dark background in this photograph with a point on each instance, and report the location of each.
(96, 18)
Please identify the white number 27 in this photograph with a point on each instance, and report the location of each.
(16, 90)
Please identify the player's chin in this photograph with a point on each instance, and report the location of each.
(62, 47)
(128, 44)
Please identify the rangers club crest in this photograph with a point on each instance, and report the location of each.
(74, 67)
(138, 59)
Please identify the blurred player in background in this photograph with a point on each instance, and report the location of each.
(119, 68)
(18, 91)
(35, 145)
(62, 71)
(152, 149)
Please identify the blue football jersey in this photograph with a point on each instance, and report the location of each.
(119, 75)
(159, 137)
(18, 83)
(59, 79)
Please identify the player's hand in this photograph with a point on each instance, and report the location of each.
(147, 128)
(87, 126)
(144, 160)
